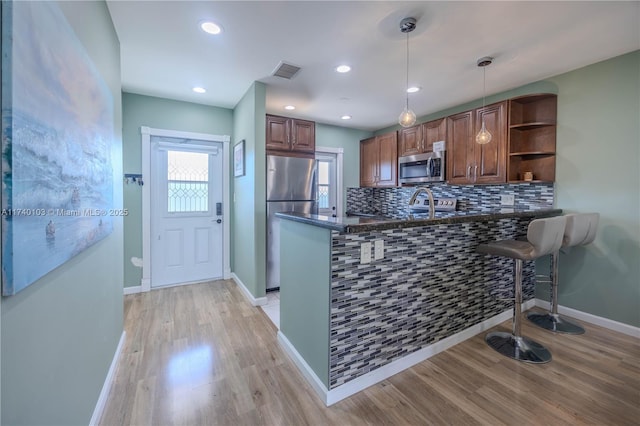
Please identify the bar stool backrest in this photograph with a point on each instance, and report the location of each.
(546, 235)
(580, 229)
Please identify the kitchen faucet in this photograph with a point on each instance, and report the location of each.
(432, 208)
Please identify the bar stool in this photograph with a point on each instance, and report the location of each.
(544, 236)
(580, 230)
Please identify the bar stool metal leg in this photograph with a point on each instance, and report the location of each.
(514, 345)
(551, 320)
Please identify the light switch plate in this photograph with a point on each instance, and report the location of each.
(378, 249)
(365, 253)
(507, 200)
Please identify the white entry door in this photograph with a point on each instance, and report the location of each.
(187, 211)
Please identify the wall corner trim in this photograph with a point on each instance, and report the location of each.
(255, 301)
(108, 381)
(620, 327)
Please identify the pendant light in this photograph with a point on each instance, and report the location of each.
(484, 137)
(407, 118)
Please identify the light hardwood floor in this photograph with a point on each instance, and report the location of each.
(201, 355)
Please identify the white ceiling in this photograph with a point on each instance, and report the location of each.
(165, 54)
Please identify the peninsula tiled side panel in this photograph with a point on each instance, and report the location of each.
(430, 285)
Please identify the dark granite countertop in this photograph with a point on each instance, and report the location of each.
(366, 222)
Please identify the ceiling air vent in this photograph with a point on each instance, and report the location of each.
(285, 70)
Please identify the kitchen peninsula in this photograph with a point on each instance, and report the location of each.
(350, 317)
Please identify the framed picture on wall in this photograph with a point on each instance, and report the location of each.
(238, 159)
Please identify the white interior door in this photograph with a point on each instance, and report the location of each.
(187, 211)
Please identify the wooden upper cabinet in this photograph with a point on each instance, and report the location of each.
(410, 141)
(491, 159)
(459, 149)
(433, 131)
(379, 161)
(303, 135)
(290, 134)
(368, 162)
(420, 138)
(388, 159)
(469, 162)
(277, 133)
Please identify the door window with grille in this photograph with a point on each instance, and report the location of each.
(187, 182)
(327, 184)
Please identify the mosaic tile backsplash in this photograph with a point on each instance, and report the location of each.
(430, 285)
(395, 201)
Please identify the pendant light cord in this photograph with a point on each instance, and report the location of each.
(407, 86)
(484, 88)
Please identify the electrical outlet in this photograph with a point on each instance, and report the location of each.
(378, 249)
(365, 253)
(507, 200)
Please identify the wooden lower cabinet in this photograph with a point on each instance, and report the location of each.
(469, 162)
(379, 161)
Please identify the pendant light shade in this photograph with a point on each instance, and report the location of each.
(407, 118)
(484, 136)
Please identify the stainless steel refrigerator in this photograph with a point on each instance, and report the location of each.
(291, 186)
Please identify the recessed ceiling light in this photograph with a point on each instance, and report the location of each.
(413, 89)
(343, 68)
(346, 117)
(211, 28)
(290, 107)
(199, 90)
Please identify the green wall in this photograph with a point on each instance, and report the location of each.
(59, 335)
(597, 169)
(305, 288)
(597, 163)
(349, 140)
(249, 208)
(139, 110)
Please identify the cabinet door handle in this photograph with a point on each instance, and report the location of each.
(475, 173)
(469, 173)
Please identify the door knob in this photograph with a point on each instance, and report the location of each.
(219, 221)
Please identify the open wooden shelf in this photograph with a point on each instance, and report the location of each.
(532, 138)
(534, 125)
(530, 181)
(526, 153)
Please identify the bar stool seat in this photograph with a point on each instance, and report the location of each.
(544, 236)
(579, 230)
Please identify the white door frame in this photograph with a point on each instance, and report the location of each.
(339, 153)
(146, 133)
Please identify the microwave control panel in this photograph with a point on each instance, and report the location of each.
(440, 204)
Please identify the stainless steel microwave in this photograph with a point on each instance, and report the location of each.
(419, 168)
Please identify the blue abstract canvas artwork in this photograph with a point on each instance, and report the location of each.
(57, 135)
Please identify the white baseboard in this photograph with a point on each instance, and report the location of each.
(330, 397)
(593, 319)
(304, 368)
(133, 290)
(108, 381)
(255, 301)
